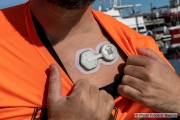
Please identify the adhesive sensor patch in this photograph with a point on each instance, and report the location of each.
(88, 60)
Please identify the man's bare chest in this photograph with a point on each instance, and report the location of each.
(106, 74)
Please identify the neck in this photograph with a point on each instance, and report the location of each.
(59, 23)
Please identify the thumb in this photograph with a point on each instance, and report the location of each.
(151, 54)
(55, 90)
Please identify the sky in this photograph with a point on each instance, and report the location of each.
(8, 3)
(146, 3)
(144, 8)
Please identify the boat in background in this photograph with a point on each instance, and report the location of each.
(131, 18)
(167, 32)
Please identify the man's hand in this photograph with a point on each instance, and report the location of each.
(85, 102)
(151, 82)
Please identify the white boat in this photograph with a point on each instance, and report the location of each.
(168, 33)
(133, 19)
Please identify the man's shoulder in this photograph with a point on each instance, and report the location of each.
(108, 22)
(13, 9)
(13, 13)
(122, 32)
(13, 20)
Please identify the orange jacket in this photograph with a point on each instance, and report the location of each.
(24, 63)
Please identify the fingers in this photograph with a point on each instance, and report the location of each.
(132, 87)
(91, 100)
(135, 71)
(133, 82)
(145, 56)
(129, 92)
(109, 106)
(81, 86)
(54, 91)
(94, 92)
(151, 54)
(86, 98)
(106, 104)
(103, 101)
(137, 60)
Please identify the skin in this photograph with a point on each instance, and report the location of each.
(64, 27)
(85, 102)
(77, 29)
(71, 4)
(57, 20)
(144, 86)
(150, 81)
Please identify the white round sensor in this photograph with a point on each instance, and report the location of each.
(89, 60)
(109, 52)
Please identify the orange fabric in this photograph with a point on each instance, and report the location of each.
(128, 40)
(25, 62)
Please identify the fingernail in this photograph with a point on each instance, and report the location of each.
(52, 68)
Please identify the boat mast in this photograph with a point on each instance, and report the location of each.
(152, 15)
(120, 3)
